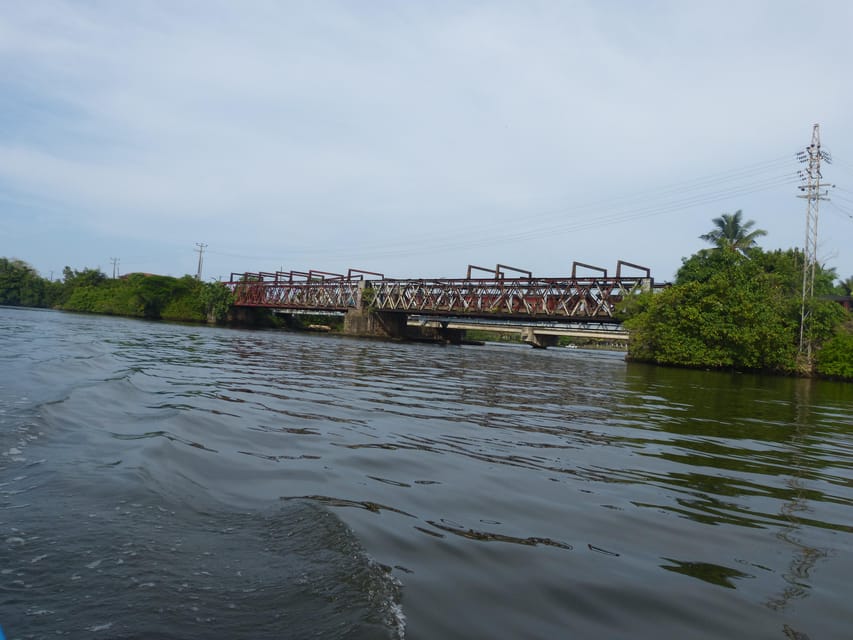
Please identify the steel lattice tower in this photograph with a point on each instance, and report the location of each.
(811, 188)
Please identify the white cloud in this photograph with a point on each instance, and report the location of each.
(307, 126)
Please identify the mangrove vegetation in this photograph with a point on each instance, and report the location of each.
(736, 306)
(135, 295)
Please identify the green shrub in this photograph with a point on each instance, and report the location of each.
(835, 358)
(735, 318)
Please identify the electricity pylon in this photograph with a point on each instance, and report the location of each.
(812, 193)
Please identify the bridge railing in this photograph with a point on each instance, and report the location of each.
(587, 298)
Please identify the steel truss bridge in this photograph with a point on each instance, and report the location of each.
(578, 298)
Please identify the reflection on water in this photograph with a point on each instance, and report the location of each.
(805, 448)
(713, 573)
(472, 492)
(805, 557)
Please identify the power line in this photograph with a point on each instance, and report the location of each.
(842, 210)
(843, 163)
(717, 187)
(687, 193)
(620, 216)
(842, 198)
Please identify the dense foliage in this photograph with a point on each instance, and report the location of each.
(137, 294)
(737, 309)
(835, 359)
(20, 285)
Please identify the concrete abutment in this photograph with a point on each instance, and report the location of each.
(538, 340)
(375, 324)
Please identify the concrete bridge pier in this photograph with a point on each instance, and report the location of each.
(451, 336)
(440, 333)
(538, 340)
(375, 324)
(394, 325)
(250, 317)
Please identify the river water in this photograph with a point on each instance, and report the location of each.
(169, 481)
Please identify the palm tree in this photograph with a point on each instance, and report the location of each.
(847, 286)
(731, 233)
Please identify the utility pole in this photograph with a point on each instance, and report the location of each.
(115, 262)
(811, 188)
(201, 247)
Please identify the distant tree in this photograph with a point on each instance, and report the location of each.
(846, 286)
(21, 285)
(731, 233)
(85, 278)
(136, 295)
(216, 299)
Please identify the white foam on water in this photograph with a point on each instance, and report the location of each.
(100, 627)
(94, 564)
(400, 619)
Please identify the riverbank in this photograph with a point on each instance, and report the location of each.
(726, 311)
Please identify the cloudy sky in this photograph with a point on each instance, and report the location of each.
(414, 138)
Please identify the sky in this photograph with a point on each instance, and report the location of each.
(415, 138)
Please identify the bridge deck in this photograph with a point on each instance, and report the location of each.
(598, 331)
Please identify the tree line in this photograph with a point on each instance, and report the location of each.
(737, 306)
(732, 306)
(135, 295)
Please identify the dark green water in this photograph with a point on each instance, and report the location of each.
(182, 482)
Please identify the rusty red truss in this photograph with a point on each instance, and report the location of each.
(590, 298)
(284, 291)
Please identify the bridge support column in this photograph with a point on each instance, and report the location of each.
(250, 317)
(375, 324)
(437, 334)
(452, 336)
(538, 340)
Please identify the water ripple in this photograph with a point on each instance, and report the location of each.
(470, 471)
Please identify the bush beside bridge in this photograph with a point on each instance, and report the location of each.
(741, 310)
